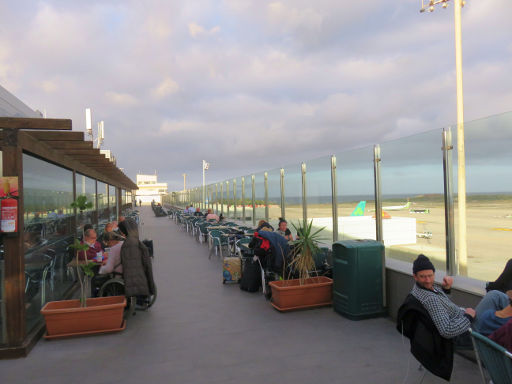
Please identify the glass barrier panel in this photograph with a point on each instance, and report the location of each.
(413, 217)
(229, 199)
(86, 186)
(112, 202)
(293, 196)
(248, 200)
(259, 193)
(488, 196)
(239, 202)
(48, 232)
(103, 212)
(319, 197)
(274, 196)
(355, 190)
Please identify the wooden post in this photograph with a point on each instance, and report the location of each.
(14, 261)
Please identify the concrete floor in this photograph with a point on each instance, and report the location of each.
(201, 331)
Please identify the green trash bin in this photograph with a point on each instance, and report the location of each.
(357, 278)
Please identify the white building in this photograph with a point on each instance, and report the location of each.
(150, 189)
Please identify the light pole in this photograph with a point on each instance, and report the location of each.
(205, 167)
(461, 157)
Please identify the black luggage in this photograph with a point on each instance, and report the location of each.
(251, 276)
(149, 245)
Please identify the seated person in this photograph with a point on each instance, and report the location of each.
(109, 227)
(452, 321)
(494, 311)
(503, 336)
(212, 216)
(186, 209)
(191, 210)
(504, 282)
(113, 263)
(264, 226)
(283, 229)
(94, 246)
(198, 212)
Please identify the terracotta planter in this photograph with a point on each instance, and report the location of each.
(66, 318)
(288, 295)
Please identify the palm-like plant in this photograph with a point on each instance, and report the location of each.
(82, 204)
(304, 249)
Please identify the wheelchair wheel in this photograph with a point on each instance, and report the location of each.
(115, 287)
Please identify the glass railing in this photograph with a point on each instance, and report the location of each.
(412, 198)
(414, 179)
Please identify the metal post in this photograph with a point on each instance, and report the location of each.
(253, 201)
(227, 198)
(234, 197)
(282, 194)
(243, 200)
(304, 197)
(265, 176)
(334, 193)
(216, 198)
(204, 194)
(222, 198)
(461, 158)
(378, 215)
(378, 193)
(451, 265)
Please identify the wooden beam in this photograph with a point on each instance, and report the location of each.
(72, 152)
(57, 136)
(35, 123)
(70, 144)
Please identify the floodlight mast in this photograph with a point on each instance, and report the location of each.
(461, 265)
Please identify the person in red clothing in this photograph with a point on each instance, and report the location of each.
(90, 237)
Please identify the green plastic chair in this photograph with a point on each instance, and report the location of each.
(496, 359)
(216, 241)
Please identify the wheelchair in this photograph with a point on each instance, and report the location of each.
(114, 286)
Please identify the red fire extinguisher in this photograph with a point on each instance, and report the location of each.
(9, 213)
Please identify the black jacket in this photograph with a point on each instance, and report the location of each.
(432, 350)
(137, 269)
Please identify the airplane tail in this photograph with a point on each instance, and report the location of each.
(359, 210)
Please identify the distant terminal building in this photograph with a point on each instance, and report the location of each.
(150, 189)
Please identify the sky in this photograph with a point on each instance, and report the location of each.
(251, 85)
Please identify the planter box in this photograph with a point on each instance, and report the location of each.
(288, 295)
(66, 318)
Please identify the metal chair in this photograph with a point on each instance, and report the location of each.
(496, 359)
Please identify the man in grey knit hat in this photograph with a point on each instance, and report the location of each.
(450, 320)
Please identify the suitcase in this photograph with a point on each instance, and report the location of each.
(251, 276)
(149, 245)
(231, 270)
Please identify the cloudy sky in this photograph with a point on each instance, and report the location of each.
(250, 85)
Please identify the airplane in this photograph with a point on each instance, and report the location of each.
(359, 209)
(394, 207)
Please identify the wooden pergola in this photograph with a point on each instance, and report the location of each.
(53, 141)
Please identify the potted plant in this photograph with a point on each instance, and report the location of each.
(306, 291)
(85, 315)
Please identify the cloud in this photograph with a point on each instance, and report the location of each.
(302, 80)
(49, 86)
(121, 99)
(167, 87)
(196, 30)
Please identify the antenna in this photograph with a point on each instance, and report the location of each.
(101, 133)
(88, 120)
